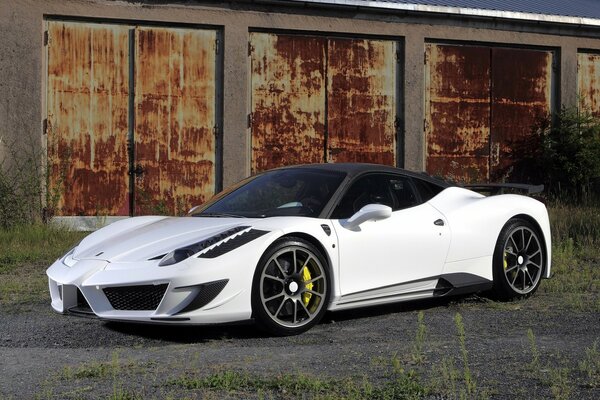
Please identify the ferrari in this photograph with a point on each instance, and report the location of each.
(285, 246)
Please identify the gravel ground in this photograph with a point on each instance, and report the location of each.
(38, 348)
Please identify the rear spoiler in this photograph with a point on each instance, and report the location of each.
(501, 188)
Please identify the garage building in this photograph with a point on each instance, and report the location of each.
(153, 106)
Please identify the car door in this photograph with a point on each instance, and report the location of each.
(410, 245)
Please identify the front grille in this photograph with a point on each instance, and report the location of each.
(135, 298)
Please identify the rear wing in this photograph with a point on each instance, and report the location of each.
(502, 188)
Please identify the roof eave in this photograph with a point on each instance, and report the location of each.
(468, 12)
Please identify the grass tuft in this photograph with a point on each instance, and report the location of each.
(27, 250)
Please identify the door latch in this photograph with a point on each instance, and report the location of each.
(438, 222)
(137, 171)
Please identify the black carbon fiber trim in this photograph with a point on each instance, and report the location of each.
(206, 294)
(187, 251)
(135, 298)
(233, 244)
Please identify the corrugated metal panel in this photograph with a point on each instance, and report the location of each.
(175, 118)
(87, 118)
(521, 97)
(588, 82)
(572, 11)
(288, 100)
(457, 124)
(361, 108)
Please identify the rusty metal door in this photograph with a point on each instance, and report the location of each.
(287, 100)
(588, 82)
(457, 111)
(482, 106)
(168, 110)
(87, 97)
(521, 98)
(361, 101)
(318, 99)
(175, 118)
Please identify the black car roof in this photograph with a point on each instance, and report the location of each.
(354, 169)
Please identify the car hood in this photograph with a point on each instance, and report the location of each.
(143, 238)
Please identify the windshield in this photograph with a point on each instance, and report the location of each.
(285, 192)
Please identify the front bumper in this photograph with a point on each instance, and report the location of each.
(196, 291)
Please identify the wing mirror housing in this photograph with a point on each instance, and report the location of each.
(370, 212)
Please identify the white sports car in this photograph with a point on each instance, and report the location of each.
(284, 246)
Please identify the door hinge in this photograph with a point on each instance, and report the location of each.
(46, 38)
(45, 126)
(250, 120)
(216, 130)
(398, 56)
(249, 48)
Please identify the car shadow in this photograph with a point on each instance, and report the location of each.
(188, 334)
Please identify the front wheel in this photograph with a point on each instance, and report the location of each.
(519, 259)
(291, 287)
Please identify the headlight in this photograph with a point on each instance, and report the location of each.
(67, 259)
(183, 253)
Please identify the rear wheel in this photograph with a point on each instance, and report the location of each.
(519, 260)
(291, 287)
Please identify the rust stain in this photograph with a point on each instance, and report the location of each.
(482, 104)
(288, 100)
(588, 82)
(521, 98)
(457, 125)
(175, 116)
(361, 101)
(87, 118)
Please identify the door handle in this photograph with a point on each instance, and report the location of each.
(438, 222)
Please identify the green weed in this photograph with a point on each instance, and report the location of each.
(590, 365)
(470, 383)
(417, 354)
(404, 385)
(535, 355)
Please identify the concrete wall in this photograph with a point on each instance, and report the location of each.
(22, 60)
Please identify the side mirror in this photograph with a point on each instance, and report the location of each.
(374, 212)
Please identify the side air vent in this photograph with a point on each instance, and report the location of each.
(207, 293)
(233, 244)
(82, 306)
(135, 298)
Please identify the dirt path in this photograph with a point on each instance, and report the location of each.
(52, 356)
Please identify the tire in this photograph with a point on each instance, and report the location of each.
(519, 260)
(285, 300)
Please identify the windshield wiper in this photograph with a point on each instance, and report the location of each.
(219, 215)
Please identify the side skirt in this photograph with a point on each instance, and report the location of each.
(438, 286)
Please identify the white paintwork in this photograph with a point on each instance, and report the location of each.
(404, 247)
(377, 261)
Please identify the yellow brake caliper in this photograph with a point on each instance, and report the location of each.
(505, 262)
(306, 276)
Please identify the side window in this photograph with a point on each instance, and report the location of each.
(403, 192)
(427, 190)
(394, 191)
